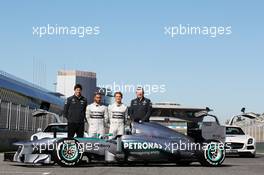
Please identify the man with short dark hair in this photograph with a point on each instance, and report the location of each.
(97, 117)
(140, 108)
(74, 111)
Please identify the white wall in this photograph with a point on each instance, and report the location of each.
(65, 84)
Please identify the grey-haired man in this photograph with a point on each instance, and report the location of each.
(140, 108)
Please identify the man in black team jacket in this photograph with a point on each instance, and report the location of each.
(140, 108)
(74, 111)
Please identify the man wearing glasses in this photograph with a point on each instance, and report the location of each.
(140, 108)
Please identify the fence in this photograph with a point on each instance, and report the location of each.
(18, 117)
(256, 131)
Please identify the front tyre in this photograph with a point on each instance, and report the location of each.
(68, 152)
(213, 154)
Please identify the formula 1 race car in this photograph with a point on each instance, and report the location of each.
(146, 142)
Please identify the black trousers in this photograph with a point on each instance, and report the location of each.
(75, 128)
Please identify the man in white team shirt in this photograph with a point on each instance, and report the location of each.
(118, 114)
(97, 116)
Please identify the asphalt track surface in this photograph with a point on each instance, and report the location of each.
(232, 166)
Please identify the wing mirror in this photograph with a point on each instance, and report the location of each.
(39, 130)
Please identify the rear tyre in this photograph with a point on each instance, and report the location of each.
(68, 152)
(213, 154)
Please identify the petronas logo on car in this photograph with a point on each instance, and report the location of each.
(142, 145)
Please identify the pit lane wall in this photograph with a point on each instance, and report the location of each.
(256, 131)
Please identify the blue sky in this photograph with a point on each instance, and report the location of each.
(224, 73)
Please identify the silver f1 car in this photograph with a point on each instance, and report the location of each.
(143, 143)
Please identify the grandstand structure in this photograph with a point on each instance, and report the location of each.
(18, 100)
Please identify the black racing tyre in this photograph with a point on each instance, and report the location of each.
(212, 154)
(68, 152)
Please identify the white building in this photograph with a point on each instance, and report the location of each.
(66, 79)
